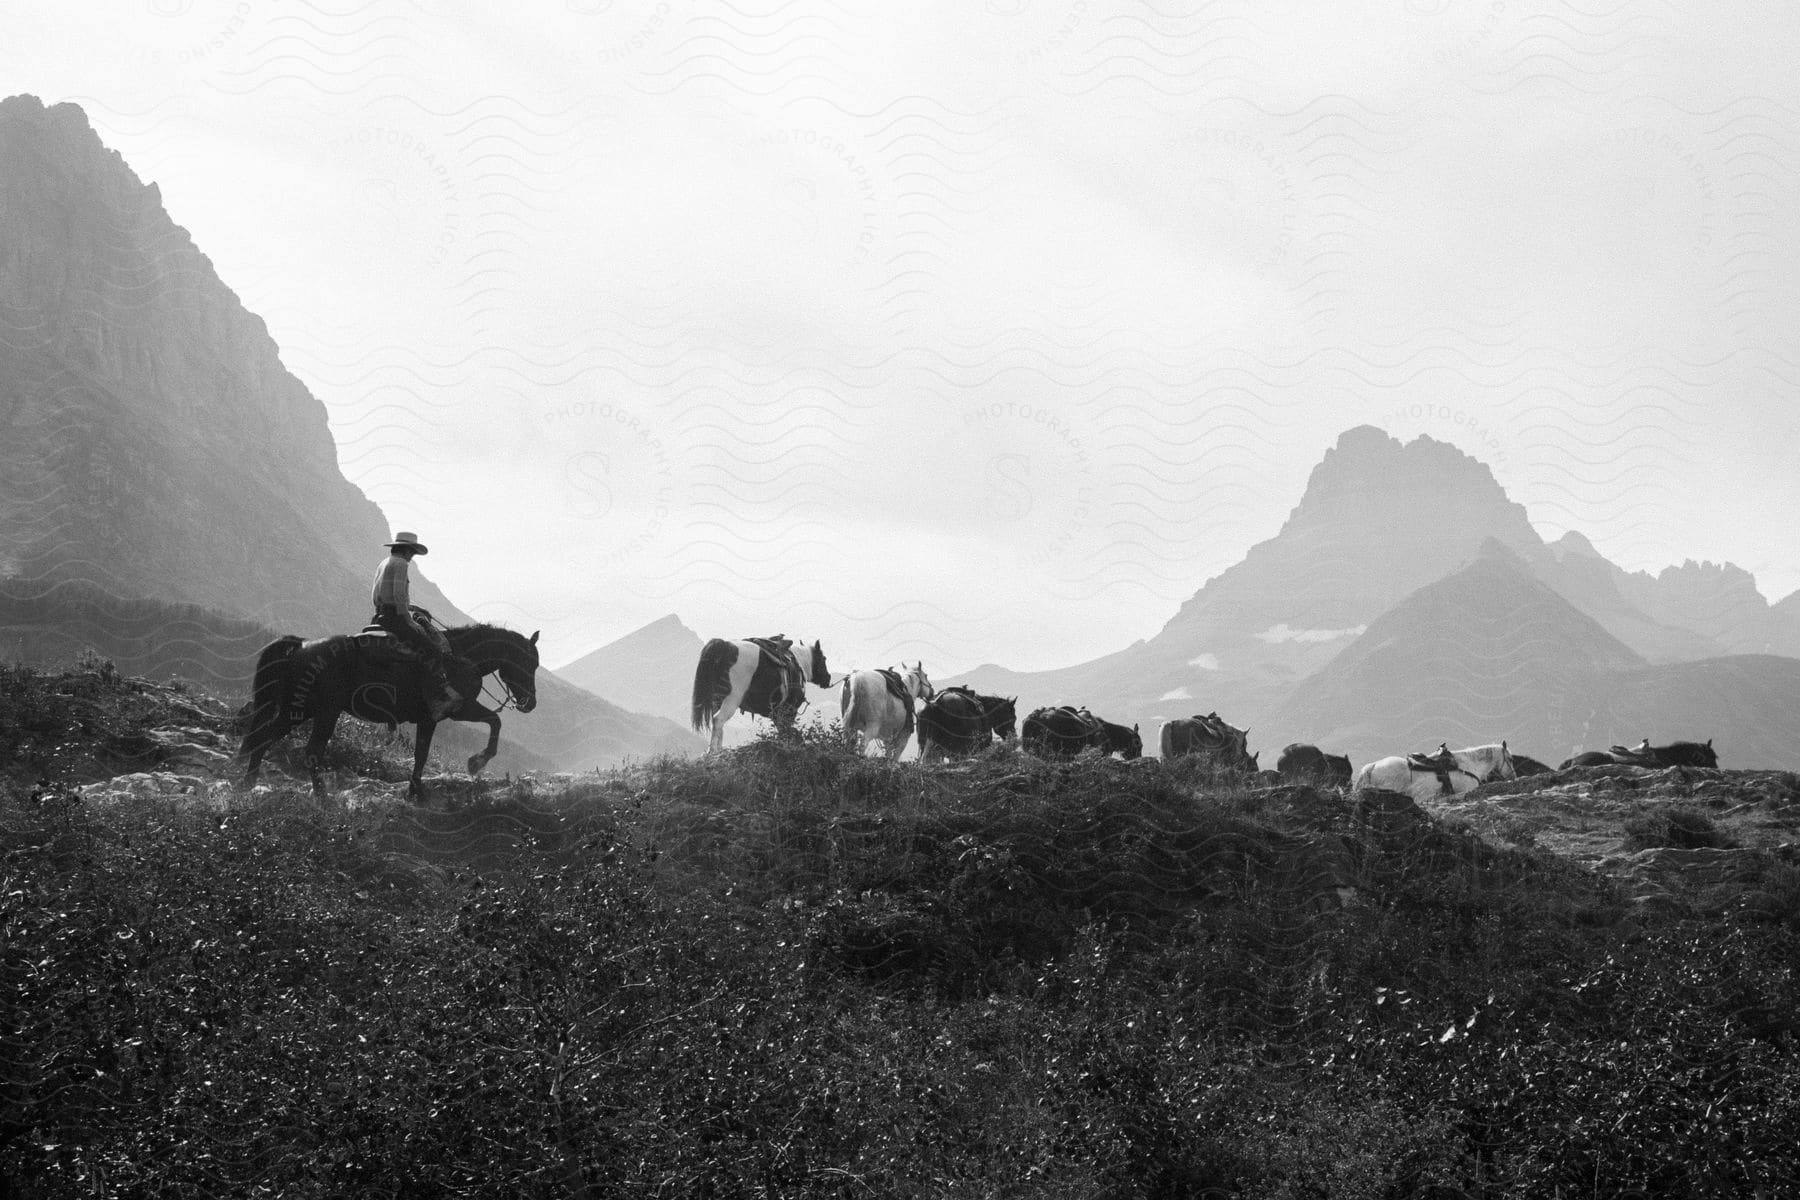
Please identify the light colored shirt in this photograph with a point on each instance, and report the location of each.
(392, 585)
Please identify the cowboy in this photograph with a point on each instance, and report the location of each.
(395, 613)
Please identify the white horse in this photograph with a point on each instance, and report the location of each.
(765, 676)
(1422, 776)
(873, 712)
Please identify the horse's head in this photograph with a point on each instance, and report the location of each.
(496, 650)
(917, 683)
(1130, 742)
(1485, 763)
(1003, 718)
(818, 673)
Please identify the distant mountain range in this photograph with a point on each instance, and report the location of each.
(1337, 629)
(1492, 652)
(161, 468)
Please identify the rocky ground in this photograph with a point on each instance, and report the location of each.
(1685, 837)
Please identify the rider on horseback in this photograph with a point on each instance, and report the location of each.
(395, 613)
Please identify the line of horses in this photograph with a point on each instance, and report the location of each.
(767, 676)
(370, 675)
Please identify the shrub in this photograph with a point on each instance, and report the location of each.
(1676, 826)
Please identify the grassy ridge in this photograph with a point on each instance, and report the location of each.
(788, 971)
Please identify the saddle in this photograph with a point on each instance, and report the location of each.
(896, 685)
(897, 689)
(1440, 764)
(777, 679)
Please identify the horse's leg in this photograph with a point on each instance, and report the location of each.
(479, 761)
(256, 744)
(727, 710)
(323, 723)
(415, 787)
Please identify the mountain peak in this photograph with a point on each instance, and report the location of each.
(1573, 543)
(648, 670)
(1368, 463)
(1371, 488)
(1493, 549)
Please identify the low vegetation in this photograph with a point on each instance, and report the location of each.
(787, 971)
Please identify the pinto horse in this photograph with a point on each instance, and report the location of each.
(960, 721)
(877, 706)
(359, 674)
(765, 676)
(1448, 772)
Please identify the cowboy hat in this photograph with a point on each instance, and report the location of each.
(404, 538)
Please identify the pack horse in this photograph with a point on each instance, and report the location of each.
(1446, 773)
(878, 706)
(764, 676)
(960, 721)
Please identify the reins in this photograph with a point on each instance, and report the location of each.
(509, 700)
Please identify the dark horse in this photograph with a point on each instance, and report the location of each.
(1224, 748)
(1675, 754)
(1066, 730)
(960, 721)
(321, 679)
(1301, 762)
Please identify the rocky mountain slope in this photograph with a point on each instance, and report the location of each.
(170, 494)
(1486, 653)
(152, 443)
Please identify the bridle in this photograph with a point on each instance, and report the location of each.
(510, 700)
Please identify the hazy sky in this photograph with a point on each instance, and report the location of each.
(983, 331)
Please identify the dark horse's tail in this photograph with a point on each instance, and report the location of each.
(712, 680)
(269, 686)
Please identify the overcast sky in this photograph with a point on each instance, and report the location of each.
(983, 331)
